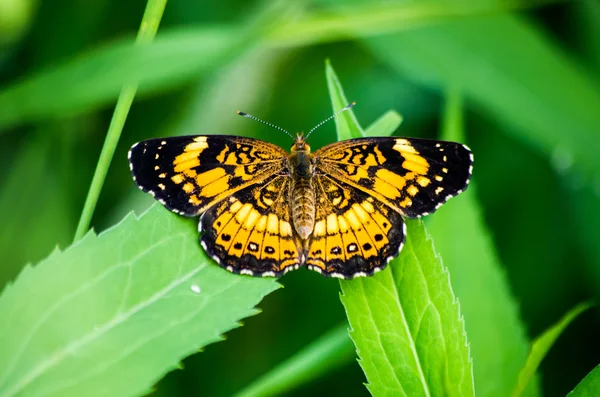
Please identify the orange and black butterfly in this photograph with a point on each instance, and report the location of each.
(264, 211)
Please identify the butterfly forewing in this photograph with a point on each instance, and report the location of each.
(412, 176)
(189, 174)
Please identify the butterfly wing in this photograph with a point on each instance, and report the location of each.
(412, 176)
(354, 234)
(189, 174)
(251, 231)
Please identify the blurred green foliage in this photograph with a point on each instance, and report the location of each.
(532, 101)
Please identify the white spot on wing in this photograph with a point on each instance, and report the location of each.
(195, 288)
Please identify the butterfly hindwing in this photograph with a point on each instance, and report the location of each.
(251, 232)
(354, 234)
(413, 176)
(188, 174)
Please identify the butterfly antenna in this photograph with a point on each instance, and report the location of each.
(249, 116)
(348, 106)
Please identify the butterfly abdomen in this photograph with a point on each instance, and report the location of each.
(302, 192)
(303, 206)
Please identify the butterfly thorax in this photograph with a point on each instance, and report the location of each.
(302, 192)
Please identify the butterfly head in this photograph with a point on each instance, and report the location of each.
(300, 144)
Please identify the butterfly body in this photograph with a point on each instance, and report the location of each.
(302, 191)
(264, 211)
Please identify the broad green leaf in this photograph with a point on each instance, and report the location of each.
(497, 339)
(542, 344)
(325, 354)
(589, 386)
(515, 84)
(385, 125)
(113, 313)
(405, 320)
(407, 327)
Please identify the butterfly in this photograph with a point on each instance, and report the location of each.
(264, 211)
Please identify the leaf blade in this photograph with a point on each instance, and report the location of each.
(325, 354)
(385, 125)
(422, 348)
(542, 344)
(346, 124)
(589, 386)
(383, 362)
(497, 339)
(140, 313)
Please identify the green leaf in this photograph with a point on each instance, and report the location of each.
(113, 313)
(589, 386)
(346, 124)
(405, 320)
(385, 125)
(542, 345)
(407, 327)
(517, 85)
(497, 339)
(325, 354)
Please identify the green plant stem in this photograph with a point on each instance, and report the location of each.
(149, 26)
(325, 354)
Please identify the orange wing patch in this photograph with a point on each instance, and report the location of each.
(251, 232)
(354, 234)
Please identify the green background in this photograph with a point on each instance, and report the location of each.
(531, 100)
